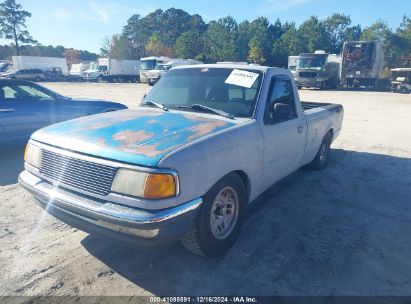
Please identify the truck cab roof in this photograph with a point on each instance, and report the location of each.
(250, 67)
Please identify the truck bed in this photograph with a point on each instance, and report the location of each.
(308, 105)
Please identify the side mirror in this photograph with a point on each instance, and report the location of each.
(282, 112)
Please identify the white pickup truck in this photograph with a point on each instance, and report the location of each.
(206, 141)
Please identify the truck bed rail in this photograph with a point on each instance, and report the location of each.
(306, 105)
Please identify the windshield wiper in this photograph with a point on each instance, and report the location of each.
(156, 104)
(203, 108)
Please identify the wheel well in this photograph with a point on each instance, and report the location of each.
(246, 181)
(331, 131)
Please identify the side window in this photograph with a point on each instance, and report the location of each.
(7, 93)
(280, 104)
(23, 93)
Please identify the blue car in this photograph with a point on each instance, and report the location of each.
(26, 107)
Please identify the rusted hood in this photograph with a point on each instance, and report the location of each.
(141, 136)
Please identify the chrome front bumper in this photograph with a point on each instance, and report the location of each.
(123, 222)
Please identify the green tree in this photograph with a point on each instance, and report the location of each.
(286, 45)
(166, 26)
(155, 47)
(117, 47)
(219, 44)
(139, 30)
(339, 30)
(392, 42)
(312, 35)
(242, 40)
(404, 34)
(260, 42)
(379, 30)
(188, 45)
(13, 24)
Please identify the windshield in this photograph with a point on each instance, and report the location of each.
(208, 87)
(102, 68)
(311, 63)
(93, 66)
(3, 68)
(148, 64)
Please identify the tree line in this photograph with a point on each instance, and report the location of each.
(176, 33)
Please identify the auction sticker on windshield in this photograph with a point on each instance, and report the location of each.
(241, 78)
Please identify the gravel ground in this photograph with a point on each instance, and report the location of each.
(341, 231)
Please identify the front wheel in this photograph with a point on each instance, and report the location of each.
(220, 219)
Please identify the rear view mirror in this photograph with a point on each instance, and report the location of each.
(282, 112)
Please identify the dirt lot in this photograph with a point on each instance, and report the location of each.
(341, 231)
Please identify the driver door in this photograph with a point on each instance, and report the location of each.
(284, 139)
(23, 110)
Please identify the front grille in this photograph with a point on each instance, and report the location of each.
(77, 173)
(307, 74)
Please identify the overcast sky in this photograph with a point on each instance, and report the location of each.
(83, 24)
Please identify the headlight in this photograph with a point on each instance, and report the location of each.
(144, 184)
(32, 155)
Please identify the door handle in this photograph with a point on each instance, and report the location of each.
(300, 129)
(7, 110)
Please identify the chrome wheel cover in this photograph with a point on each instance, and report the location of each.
(224, 213)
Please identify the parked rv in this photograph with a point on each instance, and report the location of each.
(109, 69)
(292, 65)
(362, 64)
(148, 64)
(318, 69)
(160, 69)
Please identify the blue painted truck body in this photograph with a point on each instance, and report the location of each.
(198, 148)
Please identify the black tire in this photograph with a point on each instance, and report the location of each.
(321, 158)
(201, 239)
(100, 79)
(37, 79)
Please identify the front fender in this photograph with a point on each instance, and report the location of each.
(203, 162)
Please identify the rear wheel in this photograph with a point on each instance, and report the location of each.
(321, 159)
(220, 220)
(37, 79)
